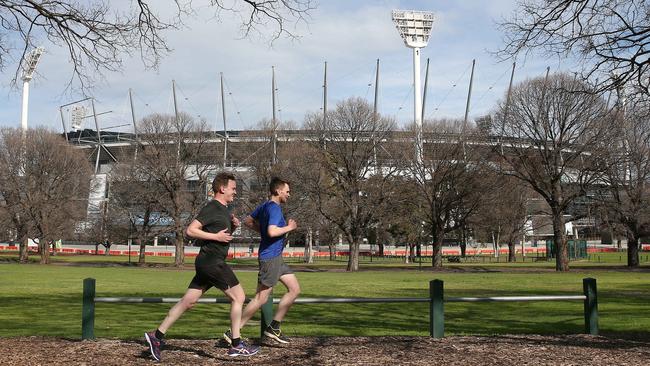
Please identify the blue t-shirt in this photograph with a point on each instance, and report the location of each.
(269, 213)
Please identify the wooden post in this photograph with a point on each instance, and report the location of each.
(436, 310)
(591, 306)
(88, 310)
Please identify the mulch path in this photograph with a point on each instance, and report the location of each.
(466, 351)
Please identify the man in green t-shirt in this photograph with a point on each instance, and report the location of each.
(212, 230)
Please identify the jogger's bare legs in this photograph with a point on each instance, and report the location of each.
(261, 296)
(290, 281)
(190, 298)
(237, 298)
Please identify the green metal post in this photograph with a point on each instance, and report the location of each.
(436, 310)
(591, 305)
(267, 314)
(88, 310)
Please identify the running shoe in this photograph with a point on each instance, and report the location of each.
(227, 336)
(243, 349)
(155, 344)
(276, 335)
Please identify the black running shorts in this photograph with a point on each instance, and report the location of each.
(217, 274)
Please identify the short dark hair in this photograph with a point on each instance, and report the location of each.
(276, 183)
(221, 180)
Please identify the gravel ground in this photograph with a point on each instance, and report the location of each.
(466, 351)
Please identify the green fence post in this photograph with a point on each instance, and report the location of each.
(267, 314)
(436, 309)
(591, 305)
(88, 310)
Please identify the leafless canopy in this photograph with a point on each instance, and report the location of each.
(42, 187)
(556, 131)
(172, 159)
(627, 197)
(277, 12)
(343, 170)
(450, 181)
(560, 129)
(97, 35)
(610, 37)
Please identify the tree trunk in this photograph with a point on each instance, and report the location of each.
(143, 247)
(436, 258)
(309, 258)
(21, 235)
(511, 251)
(559, 239)
(412, 252)
(332, 251)
(23, 249)
(353, 260)
(495, 242)
(179, 258)
(632, 250)
(44, 246)
(406, 253)
(463, 242)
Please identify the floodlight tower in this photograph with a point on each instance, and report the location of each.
(415, 28)
(29, 65)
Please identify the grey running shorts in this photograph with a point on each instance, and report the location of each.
(271, 270)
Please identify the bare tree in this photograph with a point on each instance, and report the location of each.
(173, 156)
(6, 228)
(402, 220)
(627, 197)
(97, 35)
(297, 164)
(556, 129)
(449, 179)
(45, 182)
(610, 38)
(134, 204)
(14, 204)
(340, 172)
(504, 212)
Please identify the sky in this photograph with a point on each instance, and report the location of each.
(349, 35)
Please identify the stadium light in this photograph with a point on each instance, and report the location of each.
(29, 66)
(78, 114)
(415, 28)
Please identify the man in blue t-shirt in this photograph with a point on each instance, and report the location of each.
(268, 220)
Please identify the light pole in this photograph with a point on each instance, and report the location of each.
(415, 27)
(29, 65)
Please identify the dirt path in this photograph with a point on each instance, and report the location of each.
(466, 351)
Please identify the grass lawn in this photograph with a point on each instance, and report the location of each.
(46, 300)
